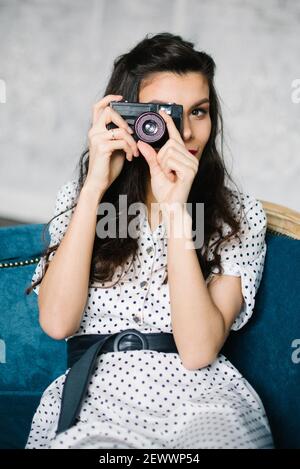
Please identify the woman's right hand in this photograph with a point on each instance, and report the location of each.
(106, 155)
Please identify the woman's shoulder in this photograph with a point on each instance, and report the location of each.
(248, 211)
(241, 199)
(66, 195)
(245, 206)
(69, 188)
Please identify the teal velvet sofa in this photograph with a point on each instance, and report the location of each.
(266, 350)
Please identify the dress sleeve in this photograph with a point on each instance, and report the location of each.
(65, 199)
(246, 259)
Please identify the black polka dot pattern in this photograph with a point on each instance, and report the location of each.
(145, 398)
(65, 199)
(245, 259)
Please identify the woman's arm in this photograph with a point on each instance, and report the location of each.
(63, 290)
(200, 328)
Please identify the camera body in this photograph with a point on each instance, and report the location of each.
(146, 123)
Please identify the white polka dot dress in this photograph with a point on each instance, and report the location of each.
(148, 399)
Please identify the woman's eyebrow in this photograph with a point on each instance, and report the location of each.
(201, 101)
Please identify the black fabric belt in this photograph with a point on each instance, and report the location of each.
(82, 352)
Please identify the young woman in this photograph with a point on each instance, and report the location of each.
(181, 392)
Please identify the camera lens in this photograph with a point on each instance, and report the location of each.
(150, 127)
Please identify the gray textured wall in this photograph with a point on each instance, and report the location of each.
(56, 57)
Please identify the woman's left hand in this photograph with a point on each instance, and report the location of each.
(172, 169)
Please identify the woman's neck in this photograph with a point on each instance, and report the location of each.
(150, 199)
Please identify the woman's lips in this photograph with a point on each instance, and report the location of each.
(193, 152)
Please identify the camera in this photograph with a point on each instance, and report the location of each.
(146, 123)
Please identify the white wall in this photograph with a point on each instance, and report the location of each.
(56, 57)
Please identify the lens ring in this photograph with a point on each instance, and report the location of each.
(150, 117)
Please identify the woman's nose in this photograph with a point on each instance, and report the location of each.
(187, 131)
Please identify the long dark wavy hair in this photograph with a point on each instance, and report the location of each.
(160, 53)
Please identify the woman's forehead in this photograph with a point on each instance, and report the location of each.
(171, 87)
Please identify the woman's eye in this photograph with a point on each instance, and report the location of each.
(203, 111)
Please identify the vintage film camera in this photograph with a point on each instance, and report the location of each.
(147, 124)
